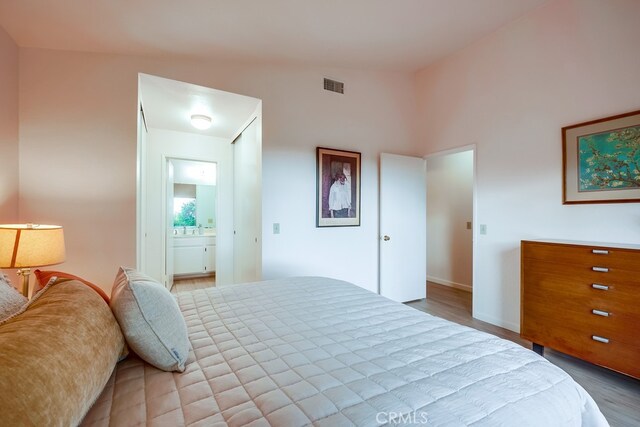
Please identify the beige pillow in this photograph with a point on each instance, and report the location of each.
(150, 320)
(56, 356)
(11, 301)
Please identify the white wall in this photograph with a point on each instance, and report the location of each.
(511, 93)
(188, 146)
(449, 208)
(78, 168)
(8, 129)
(9, 123)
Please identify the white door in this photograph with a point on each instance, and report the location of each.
(168, 259)
(403, 224)
(247, 205)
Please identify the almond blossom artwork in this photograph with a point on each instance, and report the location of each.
(609, 160)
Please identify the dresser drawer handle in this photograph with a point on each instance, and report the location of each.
(600, 339)
(600, 269)
(601, 287)
(600, 313)
(600, 252)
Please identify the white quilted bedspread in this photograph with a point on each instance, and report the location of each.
(317, 351)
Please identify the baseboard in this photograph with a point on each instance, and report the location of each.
(194, 275)
(497, 322)
(449, 283)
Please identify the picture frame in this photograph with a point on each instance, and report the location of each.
(601, 160)
(338, 185)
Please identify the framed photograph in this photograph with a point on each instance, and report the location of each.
(337, 188)
(601, 160)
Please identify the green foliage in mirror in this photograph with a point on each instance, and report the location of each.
(186, 216)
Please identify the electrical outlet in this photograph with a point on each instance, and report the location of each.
(276, 228)
(483, 228)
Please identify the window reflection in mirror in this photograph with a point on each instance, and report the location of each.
(184, 212)
(194, 197)
(184, 205)
(194, 206)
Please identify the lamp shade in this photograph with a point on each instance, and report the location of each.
(31, 245)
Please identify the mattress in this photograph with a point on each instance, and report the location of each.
(317, 351)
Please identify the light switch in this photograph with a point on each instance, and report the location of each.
(483, 228)
(276, 228)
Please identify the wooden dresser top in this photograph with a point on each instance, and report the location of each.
(583, 243)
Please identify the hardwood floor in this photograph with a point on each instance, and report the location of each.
(617, 395)
(190, 284)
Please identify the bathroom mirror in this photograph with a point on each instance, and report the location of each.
(194, 205)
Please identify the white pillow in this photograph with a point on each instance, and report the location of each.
(150, 320)
(11, 301)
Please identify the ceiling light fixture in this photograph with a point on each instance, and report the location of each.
(200, 121)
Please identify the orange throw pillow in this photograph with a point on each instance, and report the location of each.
(44, 277)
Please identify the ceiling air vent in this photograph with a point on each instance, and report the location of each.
(333, 86)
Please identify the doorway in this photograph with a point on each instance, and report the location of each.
(191, 219)
(169, 137)
(450, 226)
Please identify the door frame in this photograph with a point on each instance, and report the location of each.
(141, 211)
(165, 203)
(474, 217)
(164, 178)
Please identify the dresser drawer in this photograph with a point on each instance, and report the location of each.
(625, 259)
(597, 319)
(615, 354)
(574, 282)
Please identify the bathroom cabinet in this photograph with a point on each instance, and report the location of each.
(194, 255)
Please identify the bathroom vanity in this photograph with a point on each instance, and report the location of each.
(194, 254)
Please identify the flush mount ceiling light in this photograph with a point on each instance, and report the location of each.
(200, 121)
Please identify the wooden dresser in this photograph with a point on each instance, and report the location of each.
(583, 299)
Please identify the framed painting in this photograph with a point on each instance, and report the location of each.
(337, 188)
(601, 160)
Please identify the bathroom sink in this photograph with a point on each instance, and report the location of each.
(206, 234)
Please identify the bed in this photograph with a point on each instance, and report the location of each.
(323, 352)
(299, 351)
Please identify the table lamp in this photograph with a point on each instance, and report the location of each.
(24, 246)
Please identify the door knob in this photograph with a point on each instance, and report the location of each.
(385, 238)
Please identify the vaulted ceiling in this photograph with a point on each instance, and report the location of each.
(380, 34)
